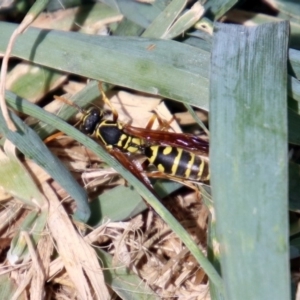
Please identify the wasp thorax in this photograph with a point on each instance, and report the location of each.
(90, 120)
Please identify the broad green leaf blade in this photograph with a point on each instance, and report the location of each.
(165, 187)
(128, 202)
(248, 125)
(167, 68)
(154, 70)
(128, 28)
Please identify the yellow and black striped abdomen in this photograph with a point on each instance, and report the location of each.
(178, 162)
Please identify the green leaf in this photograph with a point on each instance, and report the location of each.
(163, 22)
(167, 68)
(128, 202)
(248, 122)
(185, 22)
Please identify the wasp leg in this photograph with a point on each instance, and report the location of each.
(163, 124)
(151, 122)
(53, 137)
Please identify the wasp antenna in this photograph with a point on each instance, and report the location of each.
(106, 101)
(67, 101)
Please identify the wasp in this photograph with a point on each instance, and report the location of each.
(176, 156)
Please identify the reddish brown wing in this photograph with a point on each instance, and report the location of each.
(134, 167)
(186, 141)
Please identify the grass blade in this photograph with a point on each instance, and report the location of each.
(249, 158)
(163, 22)
(143, 64)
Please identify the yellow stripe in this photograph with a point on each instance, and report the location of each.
(131, 144)
(123, 138)
(176, 161)
(154, 154)
(189, 166)
(201, 169)
(161, 168)
(167, 150)
(203, 166)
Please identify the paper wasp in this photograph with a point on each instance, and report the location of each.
(176, 156)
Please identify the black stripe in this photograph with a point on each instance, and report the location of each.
(160, 158)
(205, 174)
(183, 163)
(196, 168)
(167, 160)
